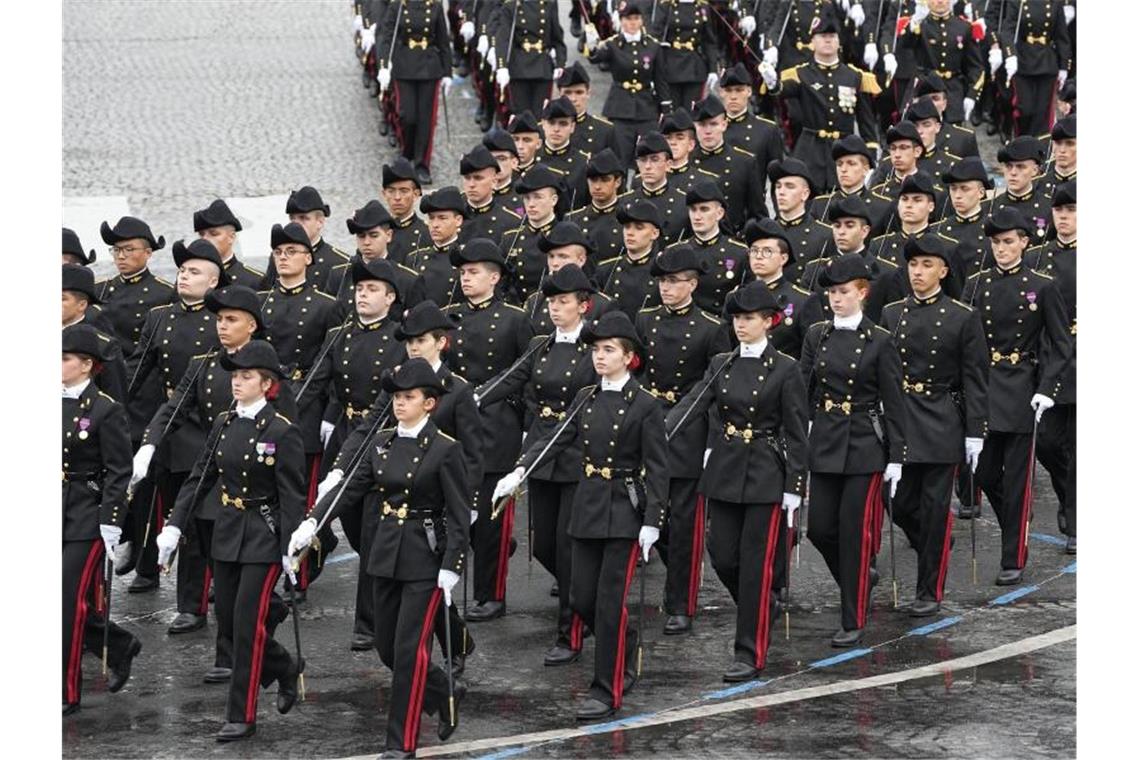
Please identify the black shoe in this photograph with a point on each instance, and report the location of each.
(141, 584)
(874, 575)
(1071, 545)
(740, 671)
(485, 611)
(576, 26)
(446, 729)
(186, 622)
(287, 688)
(593, 709)
(217, 675)
(361, 642)
(231, 732)
(967, 512)
(676, 624)
(121, 673)
(554, 589)
(924, 608)
(484, 121)
(1008, 578)
(514, 543)
(132, 560)
(69, 708)
(423, 176)
(392, 141)
(560, 655)
(844, 638)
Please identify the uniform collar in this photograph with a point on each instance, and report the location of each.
(547, 150)
(375, 324)
(484, 208)
(932, 298)
(544, 227)
(1014, 197)
(640, 260)
(753, 350)
(654, 193)
(713, 151)
(680, 311)
(250, 412)
(968, 219)
(682, 169)
(776, 283)
(445, 246)
(848, 323)
(582, 117)
(740, 117)
(706, 242)
(1065, 246)
(606, 208)
(792, 222)
(615, 385)
(1016, 268)
(568, 337)
(192, 307)
(484, 304)
(415, 430)
(631, 38)
(825, 66)
(293, 290)
(504, 190)
(406, 222)
(137, 277)
(75, 391)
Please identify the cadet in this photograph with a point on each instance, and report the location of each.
(759, 136)
(218, 225)
(566, 243)
(681, 134)
(691, 57)
(73, 252)
(926, 118)
(402, 192)
(740, 176)
(1038, 58)
(592, 133)
(944, 44)
(1062, 167)
(486, 215)
(725, 257)
(907, 149)
(373, 228)
(604, 177)
(502, 147)
(809, 237)
(680, 339)
(530, 50)
(952, 138)
(654, 184)
(524, 129)
(446, 211)
(626, 279)
(1021, 160)
(769, 254)
(542, 190)
(967, 183)
(917, 196)
(307, 209)
(853, 162)
(558, 153)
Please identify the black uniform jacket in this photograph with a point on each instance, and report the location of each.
(1059, 261)
(422, 49)
(96, 464)
(640, 90)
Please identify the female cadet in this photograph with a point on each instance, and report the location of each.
(619, 502)
(756, 464)
(253, 463)
(417, 548)
(557, 367)
(854, 381)
(96, 469)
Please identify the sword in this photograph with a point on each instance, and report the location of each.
(1016, 34)
(518, 363)
(395, 34)
(641, 613)
(108, 570)
(783, 28)
(973, 530)
(788, 581)
(446, 612)
(297, 637)
(894, 576)
(735, 353)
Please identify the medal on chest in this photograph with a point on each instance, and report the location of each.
(266, 451)
(84, 423)
(1031, 296)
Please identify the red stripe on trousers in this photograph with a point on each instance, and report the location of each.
(763, 621)
(99, 585)
(575, 632)
(865, 547)
(419, 674)
(1026, 504)
(431, 124)
(80, 622)
(259, 636)
(944, 560)
(619, 660)
(697, 558)
(1051, 111)
(204, 602)
(505, 550)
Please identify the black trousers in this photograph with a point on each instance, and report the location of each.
(243, 594)
(145, 507)
(223, 643)
(416, 104)
(491, 540)
(603, 572)
(626, 132)
(193, 579)
(528, 95)
(743, 546)
(682, 546)
(966, 496)
(843, 525)
(549, 505)
(1004, 473)
(406, 612)
(1057, 452)
(686, 93)
(1033, 104)
(83, 616)
(922, 510)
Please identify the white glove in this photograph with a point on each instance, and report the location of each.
(508, 484)
(705, 461)
(142, 462)
(368, 39)
(768, 73)
(968, 106)
(845, 5)
(122, 555)
(790, 504)
(995, 59)
(357, 23)
(870, 55)
(771, 55)
(973, 452)
(482, 45)
(502, 77)
(1010, 67)
(920, 14)
(446, 581)
(616, 19)
(747, 25)
(646, 538)
(893, 474)
(167, 542)
(1062, 77)
(1040, 403)
(474, 517)
(856, 15)
(492, 59)
(447, 85)
(327, 429)
(111, 535)
(384, 77)
(467, 31)
(329, 483)
(1070, 13)
(591, 36)
(302, 536)
(969, 11)
(890, 65)
(287, 568)
(710, 82)
(557, 73)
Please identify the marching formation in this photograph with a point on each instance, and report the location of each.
(768, 296)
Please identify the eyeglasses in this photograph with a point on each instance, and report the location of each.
(288, 253)
(762, 253)
(670, 279)
(119, 251)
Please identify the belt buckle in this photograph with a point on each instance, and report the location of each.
(686, 45)
(387, 509)
(670, 396)
(532, 47)
(298, 374)
(1039, 40)
(730, 430)
(590, 470)
(746, 434)
(1014, 357)
(919, 387)
(402, 513)
(233, 501)
(421, 44)
(546, 412)
(632, 86)
(995, 357)
(606, 473)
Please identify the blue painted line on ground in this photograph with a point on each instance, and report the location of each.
(938, 625)
(853, 654)
(732, 691)
(1071, 568)
(1055, 540)
(341, 558)
(1014, 595)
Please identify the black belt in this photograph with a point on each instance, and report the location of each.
(847, 407)
(608, 473)
(1013, 357)
(923, 387)
(242, 503)
(67, 476)
(747, 434)
(407, 513)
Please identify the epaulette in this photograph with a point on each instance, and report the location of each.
(882, 329)
(733, 241)
(102, 337)
(340, 253)
(408, 269)
(512, 213)
(946, 237)
(879, 196)
(519, 309)
(333, 330)
(824, 196)
(706, 171)
(786, 356)
(881, 237)
(257, 272)
(220, 415)
(445, 435)
(888, 262)
(108, 397)
(800, 290)
(651, 38)
(585, 154)
(770, 121)
(648, 310)
(894, 303)
(460, 377)
(738, 149)
(200, 356)
(977, 274)
(948, 154)
(874, 189)
(627, 192)
(867, 81)
(792, 74)
(1042, 274)
(965, 306)
(963, 129)
(341, 266)
(282, 416)
(602, 119)
(818, 324)
(266, 293)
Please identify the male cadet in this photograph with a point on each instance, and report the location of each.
(486, 215)
(477, 18)
(1062, 167)
(681, 340)
(307, 209)
(73, 252)
(943, 44)
(541, 190)
(935, 159)
(436, 279)
(490, 335)
(1057, 432)
(759, 136)
(906, 149)
(653, 184)
(530, 50)
(502, 147)
(372, 226)
(741, 178)
(402, 194)
(559, 154)
(809, 237)
(592, 133)
(172, 334)
(916, 204)
(790, 24)
(524, 129)
(967, 182)
(1029, 342)
(1038, 58)
(218, 225)
(625, 278)
(1021, 161)
(349, 375)
(604, 175)
(566, 243)
(689, 48)
(724, 259)
(297, 316)
(833, 98)
(769, 253)
(952, 138)
(853, 162)
(681, 134)
(78, 300)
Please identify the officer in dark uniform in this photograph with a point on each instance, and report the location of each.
(593, 133)
(254, 459)
(524, 129)
(306, 208)
(402, 194)
(503, 148)
(1038, 58)
(604, 176)
(756, 464)
(446, 211)
(1062, 165)
(654, 184)
(680, 339)
(73, 252)
(375, 231)
(853, 162)
(640, 92)
(550, 380)
(1021, 160)
(958, 139)
(759, 136)
(415, 33)
(1028, 337)
(944, 373)
(943, 44)
(691, 56)
(967, 182)
(419, 544)
(486, 215)
(489, 337)
(854, 383)
(769, 254)
(626, 278)
(218, 225)
(809, 237)
(542, 190)
(531, 51)
(725, 257)
(740, 175)
(566, 243)
(96, 467)
(559, 153)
